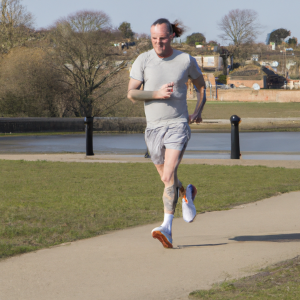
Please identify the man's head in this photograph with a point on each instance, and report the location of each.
(161, 37)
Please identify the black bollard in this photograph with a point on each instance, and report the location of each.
(235, 140)
(147, 155)
(88, 122)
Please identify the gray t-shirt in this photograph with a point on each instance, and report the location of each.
(154, 72)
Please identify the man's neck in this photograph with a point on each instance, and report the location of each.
(166, 55)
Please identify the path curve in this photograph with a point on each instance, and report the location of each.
(129, 264)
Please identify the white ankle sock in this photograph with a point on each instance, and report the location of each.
(167, 224)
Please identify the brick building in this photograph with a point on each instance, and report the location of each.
(247, 76)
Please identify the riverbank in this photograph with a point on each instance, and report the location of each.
(250, 124)
(10, 126)
(256, 116)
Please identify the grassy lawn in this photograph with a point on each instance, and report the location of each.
(48, 203)
(224, 110)
(280, 281)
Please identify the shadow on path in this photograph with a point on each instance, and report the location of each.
(279, 238)
(202, 245)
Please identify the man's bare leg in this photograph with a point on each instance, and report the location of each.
(160, 170)
(167, 174)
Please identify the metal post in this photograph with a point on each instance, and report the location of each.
(88, 122)
(147, 155)
(235, 140)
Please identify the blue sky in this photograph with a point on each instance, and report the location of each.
(198, 15)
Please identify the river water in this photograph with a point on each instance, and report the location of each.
(254, 145)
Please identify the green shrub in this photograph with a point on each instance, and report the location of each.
(222, 79)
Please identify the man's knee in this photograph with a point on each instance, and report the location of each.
(166, 178)
(170, 198)
(169, 174)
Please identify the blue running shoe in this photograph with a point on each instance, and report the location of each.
(188, 207)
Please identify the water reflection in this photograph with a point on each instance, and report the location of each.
(255, 145)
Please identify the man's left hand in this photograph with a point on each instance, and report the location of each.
(194, 119)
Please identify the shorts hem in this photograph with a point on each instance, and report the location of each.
(155, 163)
(175, 147)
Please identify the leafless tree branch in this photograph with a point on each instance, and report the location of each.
(240, 26)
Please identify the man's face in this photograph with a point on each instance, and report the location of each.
(161, 40)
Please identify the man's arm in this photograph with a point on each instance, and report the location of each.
(135, 94)
(199, 83)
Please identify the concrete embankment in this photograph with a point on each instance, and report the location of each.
(35, 125)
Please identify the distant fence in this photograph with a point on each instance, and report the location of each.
(23, 125)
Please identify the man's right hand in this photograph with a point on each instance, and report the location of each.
(134, 93)
(165, 91)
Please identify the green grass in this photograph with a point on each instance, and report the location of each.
(224, 110)
(48, 203)
(280, 281)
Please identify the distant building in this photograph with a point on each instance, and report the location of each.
(247, 76)
(210, 63)
(264, 76)
(210, 83)
(273, 45)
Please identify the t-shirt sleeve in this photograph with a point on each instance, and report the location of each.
(194, 70)
(137, 69)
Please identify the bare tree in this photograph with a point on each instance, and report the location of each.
(15, 24)
(86, 21)
(84, 54)
(240, 26)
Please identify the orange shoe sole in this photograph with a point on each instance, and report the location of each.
(158, 235)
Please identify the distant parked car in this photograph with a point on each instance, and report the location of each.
(222, 86)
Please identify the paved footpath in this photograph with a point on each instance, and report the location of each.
(129, 264)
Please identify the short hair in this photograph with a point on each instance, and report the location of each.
(176, 28)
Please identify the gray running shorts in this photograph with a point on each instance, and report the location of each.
(172, 136)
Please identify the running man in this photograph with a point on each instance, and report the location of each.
(163, 72)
